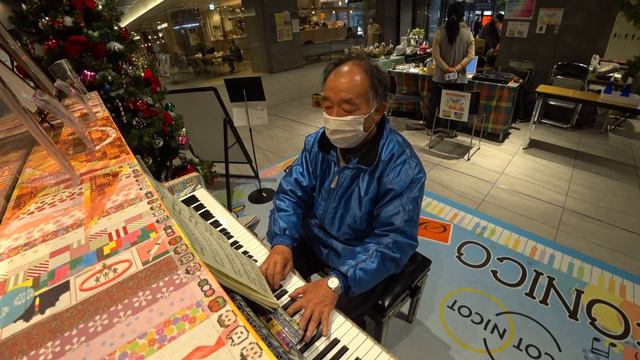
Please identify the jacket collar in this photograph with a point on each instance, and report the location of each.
(369, 154)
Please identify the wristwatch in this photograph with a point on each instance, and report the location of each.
(334, 284)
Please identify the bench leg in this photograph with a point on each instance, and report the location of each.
(415, 302)
(381, 330)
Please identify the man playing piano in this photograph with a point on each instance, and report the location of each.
(350, 202)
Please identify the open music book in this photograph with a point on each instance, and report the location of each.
(231, 268)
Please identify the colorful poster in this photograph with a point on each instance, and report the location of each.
(498, 292)
(549, 17)
(520, 9)
(454, 105)
(519, 29)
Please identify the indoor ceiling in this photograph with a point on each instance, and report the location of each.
(159, 11)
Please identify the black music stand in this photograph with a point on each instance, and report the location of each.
(243, 90)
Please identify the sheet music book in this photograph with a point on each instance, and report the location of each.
(231, 268)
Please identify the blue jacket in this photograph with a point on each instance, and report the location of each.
(361, 219)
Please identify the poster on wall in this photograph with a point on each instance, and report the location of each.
(454, 105)
(519, 29)
(520, 9)
(549, 17)
(283, 26)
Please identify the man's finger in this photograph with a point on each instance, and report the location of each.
(325, 322)
(295, 307)
(313, 324)
(298, 291)
(304, 319)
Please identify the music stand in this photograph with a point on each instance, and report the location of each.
(243, 90)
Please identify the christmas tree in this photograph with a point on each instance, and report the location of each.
(109, 61)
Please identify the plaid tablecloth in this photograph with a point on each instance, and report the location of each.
(497, 101)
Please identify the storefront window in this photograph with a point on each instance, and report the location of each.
(324, 21)
(205, 40)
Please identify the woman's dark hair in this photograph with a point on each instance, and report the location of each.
(455, 14)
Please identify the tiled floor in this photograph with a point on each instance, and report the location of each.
(579, 188)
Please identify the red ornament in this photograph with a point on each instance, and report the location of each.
(77, 4)
(51, 44)
(56, 23)
(140, 105)
(124, 34)
(188, 169)
(76, 45)
(167, 120)
(147, 74)
(152, 80)
(99, 50)
(150, 112)
(90, 4)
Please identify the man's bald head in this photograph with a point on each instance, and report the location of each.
(362, 72)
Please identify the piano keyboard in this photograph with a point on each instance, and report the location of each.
(580, 270)
(346, 340)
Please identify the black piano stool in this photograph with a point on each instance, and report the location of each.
(404, 286)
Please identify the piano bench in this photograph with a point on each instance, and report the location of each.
(404, 286)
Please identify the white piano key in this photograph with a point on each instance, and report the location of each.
(354, 345)
(504, 238)
(333, 334)
(628, 287)
(336, 322)
(576, 266)
(636, 293)
(616, 285)
(373, 353)
(586, 272)
(497, 233)
(346, 340)
(522, 243)
(565, 263)
(471, 223)
(595, 276)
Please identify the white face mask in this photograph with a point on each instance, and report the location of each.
(347, 131)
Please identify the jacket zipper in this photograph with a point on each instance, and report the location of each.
(334, 185)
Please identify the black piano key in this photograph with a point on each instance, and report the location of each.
(216, 224)
(238, 247)
(255, 261)
(340, 353)
(229, 236)
(198, 207)
(223, 230)
(206, 215)
(234, 243)
(357, 358)
(280, 293)
(190, 200)
(312, 341)
(327, 349)
(286, 306)
(245, 252)
(276, 290)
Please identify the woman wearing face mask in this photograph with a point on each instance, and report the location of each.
(350, 202)
(453, 49)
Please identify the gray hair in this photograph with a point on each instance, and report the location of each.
(378, 79)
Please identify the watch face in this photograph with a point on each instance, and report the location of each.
(333, 283)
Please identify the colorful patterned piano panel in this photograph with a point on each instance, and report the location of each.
(101, 270)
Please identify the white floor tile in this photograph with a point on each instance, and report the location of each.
(603, 234)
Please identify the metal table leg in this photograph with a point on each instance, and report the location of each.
(537, 112)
